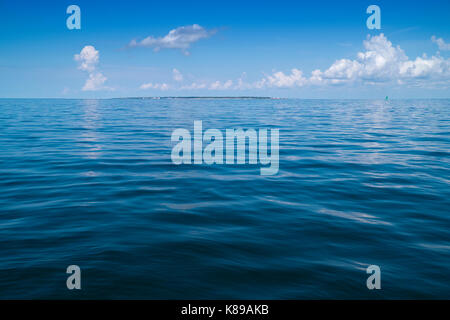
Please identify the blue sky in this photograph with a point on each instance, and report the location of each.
(302, 49)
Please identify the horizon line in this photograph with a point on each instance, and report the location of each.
(216, 97)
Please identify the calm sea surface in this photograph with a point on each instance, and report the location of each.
(91, 183)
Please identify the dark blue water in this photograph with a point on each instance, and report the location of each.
(91, 183)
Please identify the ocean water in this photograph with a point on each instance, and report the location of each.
(91, 183)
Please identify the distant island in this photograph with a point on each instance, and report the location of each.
(201, 97)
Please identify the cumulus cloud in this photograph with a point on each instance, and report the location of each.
(157, 86)
(88, 59)
(241, 83)
(94, 82)
(194, 86)
(380, 62)
(383, 62)
(441, 43)
(217, 85)
(177, 76)
(179, 38)
(279, 79)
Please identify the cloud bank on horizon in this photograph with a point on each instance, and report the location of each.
(381, 62)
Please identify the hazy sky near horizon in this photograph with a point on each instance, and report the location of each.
(302, 49)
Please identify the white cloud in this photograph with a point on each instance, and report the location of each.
(157, 86)
(88, 59)
(434, 67)
(380, 62)
(279, 79)
(194, 86)
(241, 84)
(217, 85)
(441, 43)
(177, 76)
(383, 62)
(179, 38)
(95, 82)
